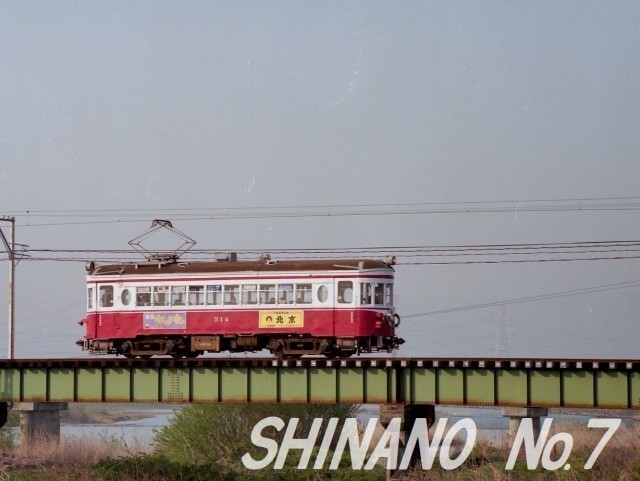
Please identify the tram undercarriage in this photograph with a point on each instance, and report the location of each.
(281, 347)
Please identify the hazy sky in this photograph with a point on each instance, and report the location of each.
(177, 106)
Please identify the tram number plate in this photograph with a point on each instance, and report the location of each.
(281, 319)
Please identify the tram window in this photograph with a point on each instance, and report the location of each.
(285, 293)
(345, 292)
(178, 295)
(388, 295)
(214, 295)
(249, 294)
(303, 293)
(323, 293)
(143, 296)
(231, 294)
(267, 294)
(106, 296)
(365, 293)
(379, 293)
(196, 295)
(125, 297)
(160, 297)
(90, 298)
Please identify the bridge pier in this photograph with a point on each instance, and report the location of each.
(408, 413)
(516, 414)
(39, 421)
(4, 413)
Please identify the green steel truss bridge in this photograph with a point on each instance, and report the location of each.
(610, 384)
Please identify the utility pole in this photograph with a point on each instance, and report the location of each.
(10, 246)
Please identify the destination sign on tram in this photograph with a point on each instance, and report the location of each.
(281, 319)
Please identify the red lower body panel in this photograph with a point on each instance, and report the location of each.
(272, 322)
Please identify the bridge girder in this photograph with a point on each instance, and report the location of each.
(473, 382)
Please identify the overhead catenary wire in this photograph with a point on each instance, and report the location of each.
(332, 206)
(552, 295)
(412, 248)
(407, 255)
(331, 210)
(524, 261)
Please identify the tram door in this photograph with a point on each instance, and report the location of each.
(345, 322)
(92, 302)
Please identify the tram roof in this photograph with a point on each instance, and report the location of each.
(198, 267)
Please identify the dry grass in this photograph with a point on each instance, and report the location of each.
(622, 449)
(620, 460)
(80, 450)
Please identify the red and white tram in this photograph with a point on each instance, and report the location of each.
(332, 307)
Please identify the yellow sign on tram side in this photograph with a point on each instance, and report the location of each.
(281, 319)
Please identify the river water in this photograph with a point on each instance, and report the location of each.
(136, 434)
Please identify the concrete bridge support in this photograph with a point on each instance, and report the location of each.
(39, 421)
(516, 414)
(408, 414)
(4, 413)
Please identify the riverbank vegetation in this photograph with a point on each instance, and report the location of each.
(207, 442)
